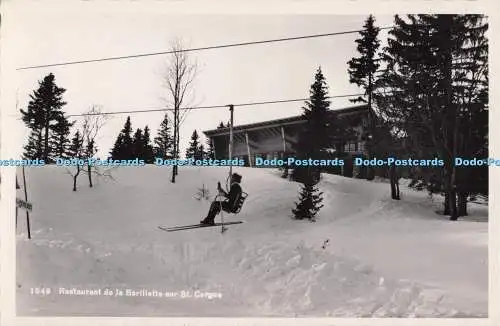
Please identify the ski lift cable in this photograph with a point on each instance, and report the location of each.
(209, 106)
(134, 56)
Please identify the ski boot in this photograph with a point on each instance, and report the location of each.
(207, 221)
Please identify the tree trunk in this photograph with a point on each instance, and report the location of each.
(370, 171)
(451, 114)
(446, 204)
(394, 183)
(398, 197)
(46, 142)
(76, 176)
(177, 145)
(462, 203)
(89, 170)
(174, 168)
(39, 150)
(453, 205)
(450, 198)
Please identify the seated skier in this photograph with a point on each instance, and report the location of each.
(226, 204)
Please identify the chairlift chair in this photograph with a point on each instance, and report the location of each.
(238, 203)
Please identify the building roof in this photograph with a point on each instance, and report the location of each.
(280, 122)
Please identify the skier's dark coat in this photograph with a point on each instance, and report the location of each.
(233, 194)
(228, 204)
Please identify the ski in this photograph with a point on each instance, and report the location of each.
(196, 226)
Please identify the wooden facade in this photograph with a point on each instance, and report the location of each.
(277, 138)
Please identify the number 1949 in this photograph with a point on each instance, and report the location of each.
(40, 291)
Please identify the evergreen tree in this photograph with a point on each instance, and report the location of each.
(470, 89)
(309, 203)
(148, 149)
(362, 70)
(43, 114)
(193, 150)
(75, 149)
(116, 152)
(33, 148)
(60, 139)
(315, 136)
(123, 149)
(432, 91)
(210, 153)
(362, 73)
(138, 145)
(200, 153)
(163, 141)
(221, 125)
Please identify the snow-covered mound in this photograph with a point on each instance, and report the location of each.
(365, 256)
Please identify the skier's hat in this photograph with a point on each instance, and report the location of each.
(236, 177)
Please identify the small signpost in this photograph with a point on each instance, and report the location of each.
(24, 204)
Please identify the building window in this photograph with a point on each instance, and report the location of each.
(350, 147)
(361, 146)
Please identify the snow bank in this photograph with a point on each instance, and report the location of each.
(365, 256)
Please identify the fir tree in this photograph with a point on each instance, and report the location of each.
(193, 150)
(431, 91)
(200, 153)
(148, 149)
(210, 152)
(138, 145)
(33, 148)
(43, 114)
(315, 136)
(163, 141)
(123, 149)
(362, 73)
(117, 150)
(362, 70)
(75, 149)
(309, 203)
(60, 139)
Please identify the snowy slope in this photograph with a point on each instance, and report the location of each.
(383, 258)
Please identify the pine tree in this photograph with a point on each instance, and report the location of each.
(116, 152)
(33, 148)
(200, 153)
(148, 149)
(210, 152)
(362, 70)
(309, 203)
(138, 145)
(75, 149)
(43, 114)
(123, 149)
(431, 90)
(470, 89)
(362, 73)
(163, 141)
(315, 137)
(60, 139)
(193, 150)
(221, 125)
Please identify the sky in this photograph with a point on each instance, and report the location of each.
(276, 71)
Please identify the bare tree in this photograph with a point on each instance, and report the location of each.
(93, 122)
(83, 145)
(76, 153)
(179, 79)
